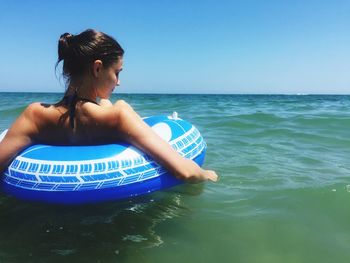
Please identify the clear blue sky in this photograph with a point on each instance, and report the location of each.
(172, 46)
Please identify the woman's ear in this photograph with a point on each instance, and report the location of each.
(96, 68)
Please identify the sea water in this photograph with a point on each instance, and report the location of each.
(283, 193)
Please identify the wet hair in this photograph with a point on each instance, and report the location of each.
(78, 52)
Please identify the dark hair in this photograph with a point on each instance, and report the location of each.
(78, 52)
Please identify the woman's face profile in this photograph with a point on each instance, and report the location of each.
(107, 78)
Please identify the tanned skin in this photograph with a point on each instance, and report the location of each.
(95, 124)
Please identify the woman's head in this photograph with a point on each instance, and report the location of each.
(79, 52)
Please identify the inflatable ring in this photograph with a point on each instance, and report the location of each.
(89, 174)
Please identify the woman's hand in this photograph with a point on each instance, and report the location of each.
(211, 175)
(193, 173)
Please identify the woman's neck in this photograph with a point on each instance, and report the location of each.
(83, 88)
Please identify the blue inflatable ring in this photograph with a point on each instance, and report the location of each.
(89, 174)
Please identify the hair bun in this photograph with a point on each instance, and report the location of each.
(66, 37)
(64, 45)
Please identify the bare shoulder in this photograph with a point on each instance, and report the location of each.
(106, 103)
(122, 105)
(32, 118)
(107, 115)
(37, 113)
(26, 123)
(33, 108)
(38, 110)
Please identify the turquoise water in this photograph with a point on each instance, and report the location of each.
(283, 194)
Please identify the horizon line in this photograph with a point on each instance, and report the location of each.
(155, 93)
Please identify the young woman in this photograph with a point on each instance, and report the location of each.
(92, 62)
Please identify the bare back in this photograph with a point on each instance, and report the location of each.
(91, 125)
(50, 124)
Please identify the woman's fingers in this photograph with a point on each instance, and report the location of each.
(211, 175)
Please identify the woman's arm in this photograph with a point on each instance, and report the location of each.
(136, 132)
(17, 138)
